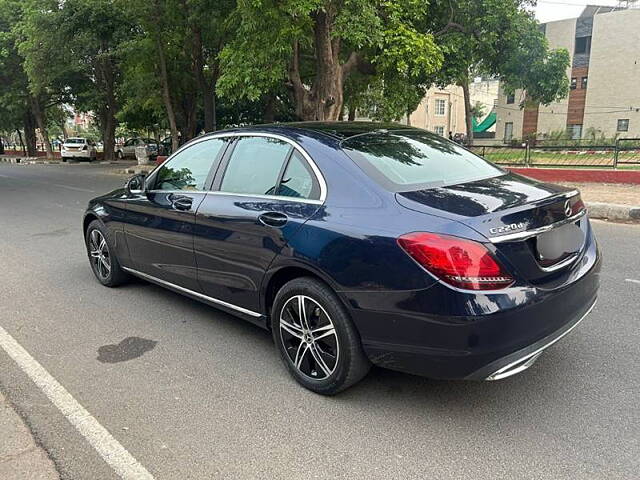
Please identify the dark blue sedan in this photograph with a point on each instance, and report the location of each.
(358, 243)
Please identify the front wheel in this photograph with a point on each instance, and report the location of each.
(104, 263)
(315, 337)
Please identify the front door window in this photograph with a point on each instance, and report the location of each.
(190, 168)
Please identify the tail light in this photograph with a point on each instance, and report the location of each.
(458, 262)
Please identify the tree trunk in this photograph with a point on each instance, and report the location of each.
(21, 142)
(269, 109)
(166, 95)
(352, 113)
(467, 110)
(30, 134)
(208, 101)
(324, 100)
(41, 123)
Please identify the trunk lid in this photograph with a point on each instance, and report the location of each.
(539, 229)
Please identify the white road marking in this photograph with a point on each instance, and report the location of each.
(631, 280)
(116, 456)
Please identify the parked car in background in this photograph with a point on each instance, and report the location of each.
(128, 149)
(78, 148)
(358, 243)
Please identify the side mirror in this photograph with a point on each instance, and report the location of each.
(135, 185)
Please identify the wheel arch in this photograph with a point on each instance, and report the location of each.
(88, 218)
(285, 273)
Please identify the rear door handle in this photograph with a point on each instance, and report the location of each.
(273, 219)
(181, 202)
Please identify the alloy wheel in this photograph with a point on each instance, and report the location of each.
(99, 253)
(309, 337)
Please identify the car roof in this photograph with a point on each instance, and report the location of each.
(336, 131)
(344, 130)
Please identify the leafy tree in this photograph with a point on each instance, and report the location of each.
(75, 44)
(478, 110)
(498, 38)
(316, 45)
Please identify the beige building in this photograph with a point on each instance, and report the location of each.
(604, 45)
(442, 109)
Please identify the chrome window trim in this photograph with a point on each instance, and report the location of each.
(159, 281)
(536, 231)
(318, 174)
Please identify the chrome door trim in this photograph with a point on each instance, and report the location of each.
(536, 231)
(191, 292)
(267, 197)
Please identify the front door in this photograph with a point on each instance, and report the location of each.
(266, 190)
(160, 221)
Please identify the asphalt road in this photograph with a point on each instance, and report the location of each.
(200, 394)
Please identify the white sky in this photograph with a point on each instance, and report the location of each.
(550, 10)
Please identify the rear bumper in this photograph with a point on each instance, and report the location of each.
(77, 154)
(522, 359)
(447, 334)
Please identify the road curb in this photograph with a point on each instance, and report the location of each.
(614, 212)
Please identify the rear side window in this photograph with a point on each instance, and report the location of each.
(255, 166)
(298, 180)
(189, 168)
(408, 160)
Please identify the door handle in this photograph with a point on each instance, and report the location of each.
(180, 202)
(273, 219)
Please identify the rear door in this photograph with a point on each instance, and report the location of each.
(264, 191)
(160, 221)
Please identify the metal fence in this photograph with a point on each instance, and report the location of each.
(624, 153)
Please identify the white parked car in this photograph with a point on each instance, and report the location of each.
(80, 148)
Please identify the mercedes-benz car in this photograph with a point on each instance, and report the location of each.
(358, 244)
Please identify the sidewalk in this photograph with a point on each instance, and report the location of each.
(617, 193)
(20, 457)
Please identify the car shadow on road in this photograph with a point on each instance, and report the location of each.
(514, 399)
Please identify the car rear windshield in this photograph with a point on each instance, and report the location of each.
(407, 160)
(75, 140)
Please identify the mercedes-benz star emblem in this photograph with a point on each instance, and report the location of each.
(567, 208)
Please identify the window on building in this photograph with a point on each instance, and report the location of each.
(623, 125)
(511, 98)
(439, 130)
(508, 131)
(574, 83)
(584, 82)
(441, 106)
(575, 132)
(583, 45)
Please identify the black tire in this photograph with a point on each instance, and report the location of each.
(324, 311)
(115, 275)
(120, 155)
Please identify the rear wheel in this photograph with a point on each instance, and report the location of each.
(315, 337)
(101, 254)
